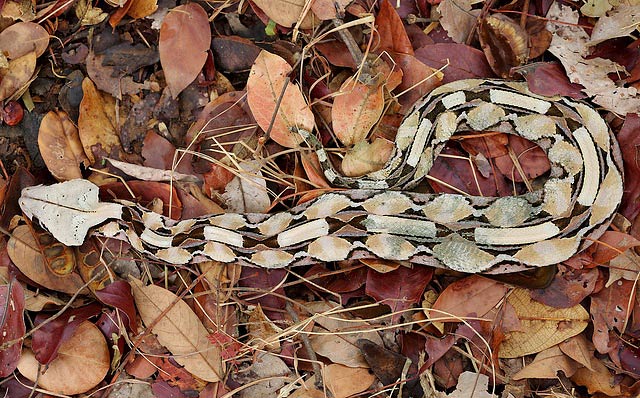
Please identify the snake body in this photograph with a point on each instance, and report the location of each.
(377, 217)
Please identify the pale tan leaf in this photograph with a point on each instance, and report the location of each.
(472, 385)
(542, 326)
(97, 123)
(82, 363)
(179, 330)
(151, 174)
(16, 77)
(60, 146)
(356, 109)
(263, 331)
(329, 9)
(247, 192)
(580, 350)
(622, 21)
(365, 158)
(457, 18)
(600, 379)
(22, 38)
(472, 295)
(273, 370)
(267, 78)
(547, 364)
(185, 37)
(67, 209)
(345, 382)
(287, 12)
(23, 251)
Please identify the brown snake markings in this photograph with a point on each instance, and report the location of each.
(378, 218)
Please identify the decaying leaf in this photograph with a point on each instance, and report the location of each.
(504, 42)
(457, 18)
(247, 192)
(365, 158)
(82, 363)
(288, 13)
(68, 209)
(15, 78)
(22, 38)
(345, 382)
(264, 87)
(620, 22)
(12, 326)
(179, 329)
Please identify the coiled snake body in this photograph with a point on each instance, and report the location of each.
(377, 217)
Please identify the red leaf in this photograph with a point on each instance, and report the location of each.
(610, 309)
(465, 62)
(12, 326)
(48, 339)
(118, 295)
(391, 34)
(394, 290)
(629, 139)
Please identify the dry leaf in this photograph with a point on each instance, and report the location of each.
(247, 192)
(598, 380)
(185, 37)
(621, 21)
(457, 18)
(179, 330)
(142, 8)
(263, 331)
(542, 326)
(68, 209)
(267, 78)
(17, 75)
(356, 109)
(150, 173)
(82, 363)
(570, 45)
(472, 295)
(329, 9)
(97, 124)
(60, 146)
(365, 158)
(287, 12)
(504, 42)
(547, 364)
(345, 382)
(22, 38)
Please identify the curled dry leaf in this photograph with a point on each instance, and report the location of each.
(22, 38)
(541, 326)
(97, 124)
(15, 78)
(60, 146)
(356, 109)
(288, 12)
(179, 330)
(25, 253)
(267, 78)
(82, 363)
(504, 43)
(185, 37)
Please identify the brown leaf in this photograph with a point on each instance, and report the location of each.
(345, 382)
(185, 37)
(12, 326)
(365, 158)
(15, 78)
(60, 146)
(82, 363)
(542, 326)
(391, 34)
(610, 309)
(266, 80)
(22, 38)
(472, 295)
(356, 109)
(597, 380)
(464, 62)
(26, 254)
(179, 329)
(547, 364)
(97, 123)
(287, 12)
(418, 79)
(457, 19)
(329, 9)
(504, 42)
(142, 8)
(629, 139)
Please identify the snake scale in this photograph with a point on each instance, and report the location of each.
(377, 217)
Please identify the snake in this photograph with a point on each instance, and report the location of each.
(381, 216)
